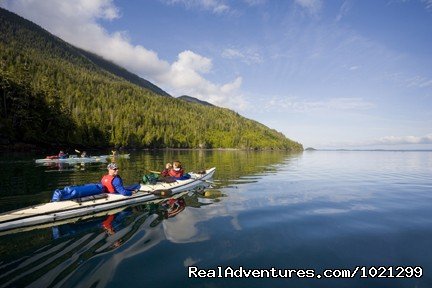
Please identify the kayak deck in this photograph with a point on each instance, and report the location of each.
(179, 185)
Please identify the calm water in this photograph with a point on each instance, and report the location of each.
(315, 210)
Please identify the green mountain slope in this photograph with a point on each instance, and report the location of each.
(52, 93)
(194, 100)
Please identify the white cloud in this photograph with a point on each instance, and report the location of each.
(386, 142)
(215, 6)
(399, 140)
(232, 53)
(292, 103)
(312, 6)
(344, 10)
(76, 23)
(428, 4)
(188, 60)
(248, 56)
(255, 2)
(418, 81)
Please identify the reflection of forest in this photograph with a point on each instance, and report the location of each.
(230, 164)
(50, 255)
(23, 183)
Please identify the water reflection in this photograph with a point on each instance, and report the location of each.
(23, 183)
(86, 251)
(318, 210)
(68, 167)
(47, 256)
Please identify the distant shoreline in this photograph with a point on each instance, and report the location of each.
(25, 147)
(372, 150)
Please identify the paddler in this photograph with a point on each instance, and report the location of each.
(113, 183)
(62, 155)
(177, 170)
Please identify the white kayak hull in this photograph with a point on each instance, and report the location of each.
(57, 211)
(81, 218)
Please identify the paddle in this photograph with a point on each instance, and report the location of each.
(83, 154)
(151, 171)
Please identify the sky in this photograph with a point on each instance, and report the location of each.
(348, 74)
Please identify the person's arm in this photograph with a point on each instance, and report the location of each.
(119, 188)
(165, 172)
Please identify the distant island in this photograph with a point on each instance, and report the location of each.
(310, 149)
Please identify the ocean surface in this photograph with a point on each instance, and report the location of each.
(267, 219)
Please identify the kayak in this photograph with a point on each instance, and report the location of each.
(87, 217)
(77, 159)
(179, 185)
(73, 159)
(61, 210)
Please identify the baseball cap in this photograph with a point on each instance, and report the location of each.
(112, 166)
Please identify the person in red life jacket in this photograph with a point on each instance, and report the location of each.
(112, 182)
(177, 170)
(62, 155)
(165, 172)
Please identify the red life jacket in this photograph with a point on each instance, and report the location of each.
(165, 172)
(107, 183)
(176, 174)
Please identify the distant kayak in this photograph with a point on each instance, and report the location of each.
(76, 159)
(66, 209)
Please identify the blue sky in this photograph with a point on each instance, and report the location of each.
(328, 74)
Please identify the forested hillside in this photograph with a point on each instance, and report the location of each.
(52, 93)
(194, 100)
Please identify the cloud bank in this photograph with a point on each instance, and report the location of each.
(388, 142)
(397, 140)
(77, 23)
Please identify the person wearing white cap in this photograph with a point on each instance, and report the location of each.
(112, 182)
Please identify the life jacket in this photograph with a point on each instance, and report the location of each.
(176, 174)
(165, 172)
(107, 183)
